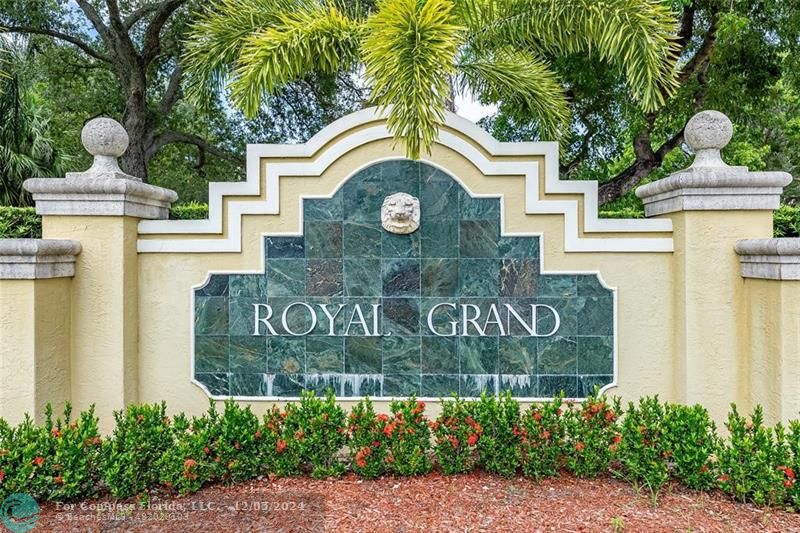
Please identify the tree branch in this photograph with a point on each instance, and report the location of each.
(583, 149)
(171, 137)
(152, 38)
(96, 20)
(60, 36)
(703, 54)
(138, 14)
(173, 91)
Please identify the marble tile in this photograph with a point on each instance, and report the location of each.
(401, 277)
(401, 176)
(324, 355)
(557, 286)
(401, 355)
(247, 285)
(248, 354)
(217, 383)
(323, 240)
(520, 385)
(550, 386)
(211, 354)
(363, 195)
(361, 277)
(324, 208)
(439, 200)
(211, 315)
(596, 316)
(587, 384)
(473, 385)
(478, 208)
(590, 285)
(362, 239)
(557, 355)
(285, 247)
(248, 384)
(288, 385)
(439, 386)
(217, 285)
(363, 355)
(242, 315)
(395, 245)
(324, 277)
(439, 277)
(478, 355)
(286, 277)
(286, 355)
(401, 316)
(439, 238)
(478, 277)
(440, 355)
(517, 355)
(401, 385)
(362, 385)
(518, 277)
(478, 238)
(596, 355)
(519, 247)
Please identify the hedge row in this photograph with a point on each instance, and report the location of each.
(22, 222)
(647, 444)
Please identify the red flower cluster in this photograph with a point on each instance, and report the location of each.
(2, 475)
(280, 446)
(361, 456)
(790, 477)
(55, 432)
(38, 460)
(188, 465)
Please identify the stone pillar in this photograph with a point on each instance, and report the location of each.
(712, 205)
(771, 272)
(35, 292)
(101, 208)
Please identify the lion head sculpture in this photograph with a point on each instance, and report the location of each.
(400, 213)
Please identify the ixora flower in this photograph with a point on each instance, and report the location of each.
(472, 440)
(2, 475)
(579, 446)
(55, 432)
(280, 445)
(38, 460)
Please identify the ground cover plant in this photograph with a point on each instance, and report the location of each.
(648, 444)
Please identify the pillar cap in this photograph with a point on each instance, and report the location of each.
(777, 259)
(710, 184)
(38, 258)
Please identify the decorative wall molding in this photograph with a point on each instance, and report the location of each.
(777, 259)
(38, 258)
(367, 133)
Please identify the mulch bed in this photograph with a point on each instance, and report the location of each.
(433, 503)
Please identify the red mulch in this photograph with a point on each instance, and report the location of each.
(433, 503)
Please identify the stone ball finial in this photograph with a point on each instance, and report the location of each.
(707, 133)
(104, 137)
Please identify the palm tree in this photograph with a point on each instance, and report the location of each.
(416, 54)
(26, 150)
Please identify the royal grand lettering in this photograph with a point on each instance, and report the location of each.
(366, 321)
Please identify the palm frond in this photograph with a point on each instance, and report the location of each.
(521, 81)
(321, 38)
(217, 36)
(409, 55)
(638, 36)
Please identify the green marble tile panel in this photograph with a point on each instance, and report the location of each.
(401, 316)
(590, 285)
(567, 309)
(517, 355)
(478, 355)
(595, 355)
(248, 384)
(285, 248)
(324, 355)
(441, 319)
(363, 355)
(324, 277)
(401, 176)
(478, 277)
(361, 277)
(486, 321)
(557, 286)
(550, 386)
(401, 385)
(394, 245)
(478, 208)
(473, 385)
(362, 385)
(247, 285)
(363, 195)
(290, 385)
(401, 277)
(557, 355)
(216, 285)
(587, 384)
(332, 303)
(518, 247)
(298, 317)
(217, 383)
(286, 355)
(401, 355)
(323, 240)
(324, 208)
(439, 238)
(518, 277)
(596, 316)
(211, 354)
(438, 200)
(439, 386)
(286, 277)
(322, 383)
(440, 355)
(241, 312)
(478, 238)
(362, 239)
(211, 315)
(520, 385)
(439, 277)
(248, 354)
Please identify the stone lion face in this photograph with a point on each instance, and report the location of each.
(400, 213)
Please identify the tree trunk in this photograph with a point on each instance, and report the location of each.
(134, 119)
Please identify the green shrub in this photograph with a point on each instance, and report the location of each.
(19, 223)
(189, 211)
(280, 448)
(786, 221)
(142, 435)
(318, 427)
(409, 438)
(189, 462)
(749, 460)
(792, 470)
(456, 436)
(642, 449)
(691, 439)
(542, 440)
(57, 461)
(499, 445)
(367, 440)
(592, 433)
